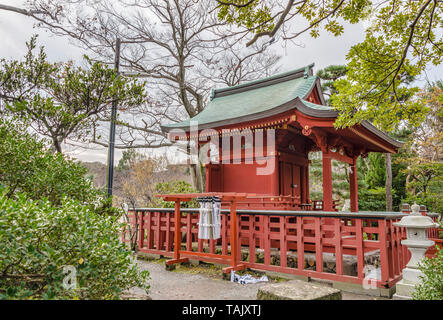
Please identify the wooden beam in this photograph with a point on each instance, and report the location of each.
(367, 138)
(337, 156)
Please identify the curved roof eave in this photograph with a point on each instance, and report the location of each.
(296, 103)
(383, 135)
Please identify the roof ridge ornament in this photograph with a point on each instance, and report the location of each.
(212, 94)
(306, 74)
(308, 71)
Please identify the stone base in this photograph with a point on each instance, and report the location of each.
(412, 275)
(297, 290)
(193, 262)
(287, 276)
(148, 256)
(404, 290)
(357, 288)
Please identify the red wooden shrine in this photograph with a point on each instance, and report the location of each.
(290, 105)
(261, 135)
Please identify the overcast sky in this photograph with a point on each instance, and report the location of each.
(16, 29)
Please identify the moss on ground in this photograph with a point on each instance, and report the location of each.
(211, 270)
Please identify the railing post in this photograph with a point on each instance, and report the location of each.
(150, 232)
(267, 240)
(283, 245)
(189, 232)
(234, 234)
(360, 247)
(224, 232)
(158, 231)
(318, 245)
(384, 260)
(168, 232)
(406, 208)
(251, 239)
(177, 233)
(395, 249)
(300, 245)
(141, 230)
(338, 248)
(423, 210)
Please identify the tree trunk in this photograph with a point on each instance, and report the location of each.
(194, 168)
(197, 178)
(388, 182)
(56, 145)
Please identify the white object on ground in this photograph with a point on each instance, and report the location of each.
(247, 278)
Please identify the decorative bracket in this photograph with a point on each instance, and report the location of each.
(306, 130)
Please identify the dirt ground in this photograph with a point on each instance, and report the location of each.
(204, 282)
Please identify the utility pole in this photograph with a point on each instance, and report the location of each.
(110, 176)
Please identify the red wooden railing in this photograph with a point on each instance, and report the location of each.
(433, 234)
(265, 202)
(292, 235)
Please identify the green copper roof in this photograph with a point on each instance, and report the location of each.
(254, 98)
(316, 106)
(264, 98)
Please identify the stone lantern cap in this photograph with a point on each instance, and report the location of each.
(413, 221)
(416, 220)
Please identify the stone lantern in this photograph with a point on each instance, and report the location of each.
(418, 243)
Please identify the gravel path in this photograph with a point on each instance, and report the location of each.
(167, 285)
(179, 285)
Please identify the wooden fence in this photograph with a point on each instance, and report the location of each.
(280, 241)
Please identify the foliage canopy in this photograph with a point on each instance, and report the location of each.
(402, 39)
(59, 100)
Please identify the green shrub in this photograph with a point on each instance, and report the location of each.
(38, 239)
(432, 201)
(51, 217)
(431, 285)
(372, 199)
(175, 187)
(27, 167)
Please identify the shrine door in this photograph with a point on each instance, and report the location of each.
(290, 179)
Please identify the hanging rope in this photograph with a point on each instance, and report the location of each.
(209, 222)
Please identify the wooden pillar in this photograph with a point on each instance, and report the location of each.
(141, 230)
(327, 182)
(177, 233)
(208, 177)
(306, 184)
(275, 181)
(353, 186)
(234, 234)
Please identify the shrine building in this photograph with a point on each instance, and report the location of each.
(288, 113)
